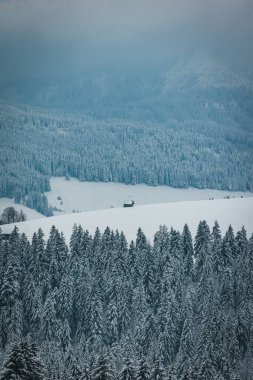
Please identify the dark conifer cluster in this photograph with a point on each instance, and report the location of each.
(176, 309)
(11, 215)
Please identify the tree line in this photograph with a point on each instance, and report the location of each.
(177, 153)
(175, 309)
(11, 215)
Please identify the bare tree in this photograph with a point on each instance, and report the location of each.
(10, 215)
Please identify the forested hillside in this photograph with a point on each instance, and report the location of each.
(35, 146)
(183, 125)
(177, 309)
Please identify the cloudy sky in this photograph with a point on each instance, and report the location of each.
(44, 37)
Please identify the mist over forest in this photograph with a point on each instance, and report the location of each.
(154, 92)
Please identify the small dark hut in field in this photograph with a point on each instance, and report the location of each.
(129, 203)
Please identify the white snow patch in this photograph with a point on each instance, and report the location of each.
(86, 196)
(237, 212)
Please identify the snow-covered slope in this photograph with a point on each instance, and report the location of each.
(237, 212)
(30, 213)
(87, 196)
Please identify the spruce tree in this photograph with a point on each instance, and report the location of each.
(23, 363)
(188, 254)
(201, 248)
(86, 373)
(49, 319)
(158, 371)
(216, 244)
(103, 370)
(127, 372)
(142, 372)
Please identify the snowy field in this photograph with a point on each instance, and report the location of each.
(86, 196)
(236, 212)
(30, 213)
(75, 196)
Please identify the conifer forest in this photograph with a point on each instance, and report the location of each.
(196, 153)
(179, 308)
(126, 190)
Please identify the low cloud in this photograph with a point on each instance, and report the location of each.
(59, 36)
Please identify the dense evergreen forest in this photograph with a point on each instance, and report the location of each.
(176, 309)
(36, 145)
(179, 124)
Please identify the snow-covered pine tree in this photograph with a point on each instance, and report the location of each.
(188, 253)
(142, 371)
(49, 319)
(158, 371)
(127, 371)
(201, 248)
(23, 363)
(103, 370)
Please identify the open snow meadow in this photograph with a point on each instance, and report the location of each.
(73, 195)
(237, 212)
(99, 204)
